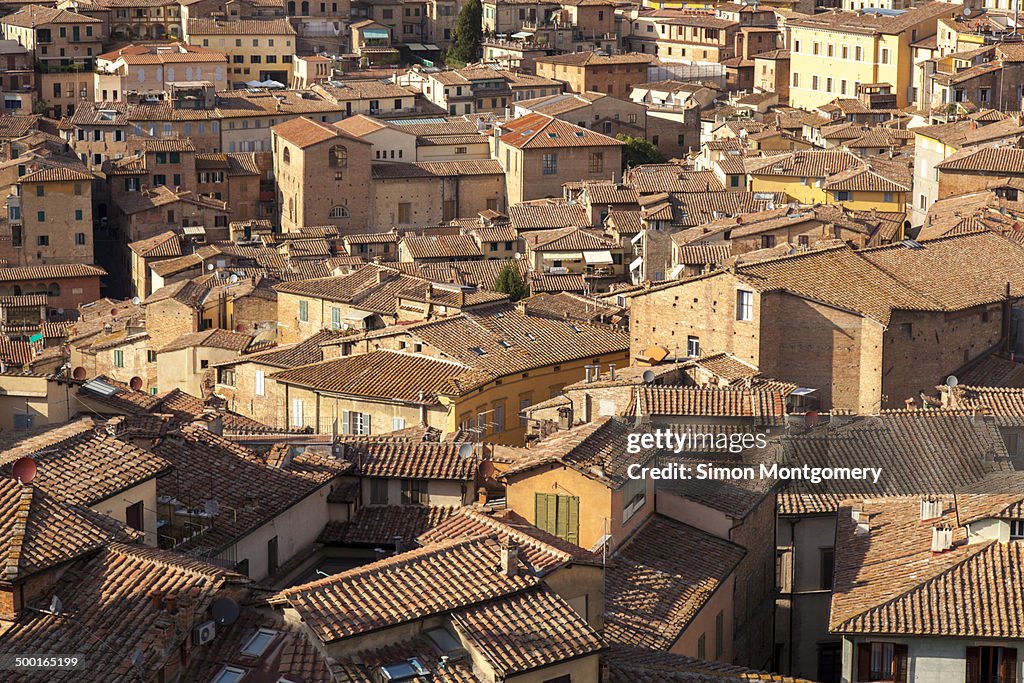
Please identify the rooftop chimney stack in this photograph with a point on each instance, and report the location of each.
(611, 372)
(588, 369)
(931, 508)
(942, 539)
(510, 558)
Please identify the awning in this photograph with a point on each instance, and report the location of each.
(358, 315)
(431, 46)
(194, 230)
(562, 255)
(416, 47)
(375, 33)
(598, 257)
(521, 34)
(637, 262)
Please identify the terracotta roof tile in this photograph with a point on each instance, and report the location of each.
(540, 131)
(411, 586)
(379, 525)
(653, 591)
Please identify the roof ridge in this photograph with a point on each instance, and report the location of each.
(21, 516)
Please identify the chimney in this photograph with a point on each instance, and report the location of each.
(588, 369)
(910, 403)
(398, 544)
(157, 599)
(597, 372)
(931, 508)
(863, 521)
(510, 558)
(611, 372)
(462, 298)
(942, 538)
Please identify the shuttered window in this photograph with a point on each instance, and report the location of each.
(882, 662)
(558, 515)
(991, 665)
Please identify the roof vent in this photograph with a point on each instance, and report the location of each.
(931, 508)
(942, 538)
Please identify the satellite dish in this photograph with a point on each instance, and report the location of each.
(648, 376)
(113, 311)
(135, 383)
(518, 256)
(811, 419)
(239, 328)
(967, 11)
(56, 606)
(952, 381)
(233, 279)
(136, 300)
(466, 451)
(24, 470)
(211, 507)
(225, 611)
(79, 373)
(209, 266)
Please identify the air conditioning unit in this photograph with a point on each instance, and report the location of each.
(204, 632)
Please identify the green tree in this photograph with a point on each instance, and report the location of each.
(638, 151)
(511, 282)
(465, 45)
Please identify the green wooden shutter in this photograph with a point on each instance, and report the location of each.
(573, 532)
(561, 517)
(541, 517)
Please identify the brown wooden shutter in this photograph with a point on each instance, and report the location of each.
(1008, 665)
(973, 665)
(863, 672)
(899, 663)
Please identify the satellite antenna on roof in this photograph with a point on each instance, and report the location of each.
(211, 507)
(225, 611)
(648, 376)
(56, 607)
(136, 300)
(952, 381)
(466, 451)
(209, 266)
(234, 278)
(967, 11)
(24, 470)
(811, 419)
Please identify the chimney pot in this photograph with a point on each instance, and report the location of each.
(931, 508)
(611, 371)
(588, 369)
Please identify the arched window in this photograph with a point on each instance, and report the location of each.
(54, 289)
(305, 8)
(339, 212)
(291, 8)
(339, 156)
(286, 155)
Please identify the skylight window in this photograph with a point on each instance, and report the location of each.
(580, 133)
(259, 642)
(552, 135)
(478, 351)
(230, 674)
(504, 344)
(575, 328)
